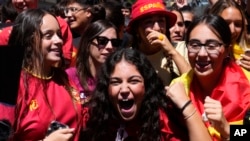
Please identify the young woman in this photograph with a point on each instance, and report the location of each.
(177, 32)
(129, 103)
(45, 94)
(216, 85)
(235, 17)
(99, 40)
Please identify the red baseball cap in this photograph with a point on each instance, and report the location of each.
(144, 8)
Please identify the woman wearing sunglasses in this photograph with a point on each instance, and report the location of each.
(98, 41)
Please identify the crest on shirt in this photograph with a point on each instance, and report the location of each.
(33, 105)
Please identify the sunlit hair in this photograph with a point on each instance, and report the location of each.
(82, 58)
(103, 115)
(220, 6)
(214, 22)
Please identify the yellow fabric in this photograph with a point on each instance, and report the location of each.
(213, 132)
(186, 79)
(237, 50)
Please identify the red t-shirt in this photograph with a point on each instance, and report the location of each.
(35, 114)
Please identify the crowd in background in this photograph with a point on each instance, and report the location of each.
(125, 70)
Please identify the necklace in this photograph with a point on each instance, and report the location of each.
(39, 76)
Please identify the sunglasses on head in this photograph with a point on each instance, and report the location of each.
(103, 41)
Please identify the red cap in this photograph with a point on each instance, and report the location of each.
(144, 8)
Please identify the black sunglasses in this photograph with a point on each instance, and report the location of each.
(103, 41)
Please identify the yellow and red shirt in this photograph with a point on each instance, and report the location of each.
(232, 90)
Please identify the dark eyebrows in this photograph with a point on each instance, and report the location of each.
(131, 77)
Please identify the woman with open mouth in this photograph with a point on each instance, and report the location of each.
(130, 104)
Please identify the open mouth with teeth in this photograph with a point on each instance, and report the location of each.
(126, 104)
(127, 109)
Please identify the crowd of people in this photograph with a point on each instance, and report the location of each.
(127, 70)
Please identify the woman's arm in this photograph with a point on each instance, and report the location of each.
(197, 130)
(182, 65)
(196, 127)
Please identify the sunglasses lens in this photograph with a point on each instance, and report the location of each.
(102, 41)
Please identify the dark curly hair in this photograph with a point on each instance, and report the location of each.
(102, 114)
